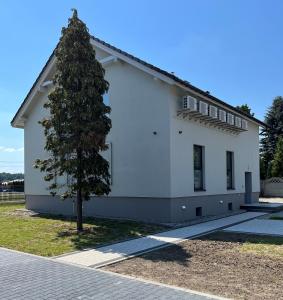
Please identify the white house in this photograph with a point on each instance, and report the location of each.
(177, 152)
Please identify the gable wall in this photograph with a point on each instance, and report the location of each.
(140, 159)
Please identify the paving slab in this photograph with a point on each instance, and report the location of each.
(259, 226)
(119, 251)
(29, 277)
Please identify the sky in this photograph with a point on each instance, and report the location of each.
(232, 48)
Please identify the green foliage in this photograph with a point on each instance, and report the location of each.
(78, 124)
(245, 109)
(277, 163)
(262, 169)
(271, 134)
(10, 176)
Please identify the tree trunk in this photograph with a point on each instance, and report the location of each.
(79, 211)
(79, 195)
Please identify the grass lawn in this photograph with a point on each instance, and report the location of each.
(54, 235)
(232, 265)
(278, 218)
(263, 246)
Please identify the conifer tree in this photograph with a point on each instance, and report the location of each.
(245, 109)
(79, 121)
(277, 163)
(271, 134)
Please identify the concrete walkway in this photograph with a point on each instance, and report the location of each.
(259, 226)
(29, 277)
(263, 207)
(272, 199)
(119, 251)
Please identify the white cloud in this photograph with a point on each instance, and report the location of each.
(8, 149)
(11, 167)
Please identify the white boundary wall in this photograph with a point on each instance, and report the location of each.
(272, 187)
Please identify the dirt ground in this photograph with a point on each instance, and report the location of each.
(223, 264)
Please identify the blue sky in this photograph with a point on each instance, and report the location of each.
(231, 48)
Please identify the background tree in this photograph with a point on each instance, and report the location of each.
(78, 124)
(10, 176)
(245, 109)
(277, 163)
(262, 168)
(271, 134)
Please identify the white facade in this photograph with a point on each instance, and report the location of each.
(152, 146)
(245, 147)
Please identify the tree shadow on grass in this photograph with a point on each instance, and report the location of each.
(170, 253)
(99, 232)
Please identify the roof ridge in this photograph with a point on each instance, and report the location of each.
(155, 68)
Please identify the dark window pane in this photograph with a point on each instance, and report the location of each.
(198, 157)
(198, 179)
(229, 169)
(198, 168)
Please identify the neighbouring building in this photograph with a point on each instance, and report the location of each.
(176, 152)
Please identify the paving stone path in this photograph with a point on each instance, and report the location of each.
(28, 277)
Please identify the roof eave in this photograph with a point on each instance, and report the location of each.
(18, 119)
(225, 105)
(183, 83)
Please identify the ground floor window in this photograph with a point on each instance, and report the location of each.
(198, 168)
(229, 169)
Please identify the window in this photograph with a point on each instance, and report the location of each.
(230, 206)
(229, 169)
(198, 211)
(198, 168)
